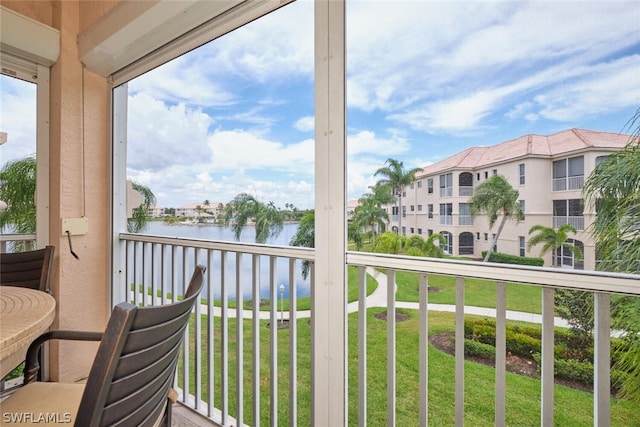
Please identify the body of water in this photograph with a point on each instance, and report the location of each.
(219, 233)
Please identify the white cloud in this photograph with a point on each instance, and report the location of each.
(305, 124)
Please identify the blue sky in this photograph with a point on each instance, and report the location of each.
(425, 80)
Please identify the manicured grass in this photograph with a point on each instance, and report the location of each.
(573, 408)
(478, 292)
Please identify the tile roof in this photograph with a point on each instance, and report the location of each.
(535, 145)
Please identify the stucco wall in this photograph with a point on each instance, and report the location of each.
(78, 184)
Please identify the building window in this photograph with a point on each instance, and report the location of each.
(568, 174)
(478, 235)
(429, 232)
(411, 186)
(448, 245)
(446, 213)
(404, 230)
(465, 243)
(521, 209)
(411, 230)
(464, 216)
(446, 185)
(564, 256)
(478, 176)
(521, 167)
(404, 193)
(412, 208)
(486, 174)
(568, 212)
(430, 185)
(521, 245)
(495, 172)
(429, 211)
(486, 236)
(465, 184)
(420, 184)
(419, 208)
(419, 230)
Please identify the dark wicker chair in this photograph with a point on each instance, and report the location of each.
(30, 269)
(131, 377)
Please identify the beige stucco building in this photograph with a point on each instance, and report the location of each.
(549, 173)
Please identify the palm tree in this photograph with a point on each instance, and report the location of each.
(369, 213)
(390, 243)
(17, 190)
(552, 240)
(140, 215)
(613, 188)
(394, 175)
(305, 237)
(267, 218)
(493, 197)
(432, 250)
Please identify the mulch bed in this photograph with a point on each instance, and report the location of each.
(518, 365)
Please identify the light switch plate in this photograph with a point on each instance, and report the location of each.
(76, 226)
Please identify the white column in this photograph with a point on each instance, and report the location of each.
(328, 319)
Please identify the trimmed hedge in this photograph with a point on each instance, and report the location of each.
(513, 259)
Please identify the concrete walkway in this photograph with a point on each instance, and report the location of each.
(379, 299)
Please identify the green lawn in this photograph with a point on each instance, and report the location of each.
(478, 292)
(573, 408)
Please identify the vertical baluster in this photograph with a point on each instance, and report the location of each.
(459, 358)
(186, 374)
(239, 344)
(255, 292)
(391, 348)
(273, 340)
(362, 346)
(546, 375)
(501, 351)
(175, 274)
(224, 339)
(197, 345)
(293, 346)
(601, 360)
(210, 333)
(423, 364)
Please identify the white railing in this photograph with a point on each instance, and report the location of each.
(446, 191)
(8, 242)
(465, 191)
(576, 221)
(446, 220)
(465, 220)
(568, 183)
(215, 383)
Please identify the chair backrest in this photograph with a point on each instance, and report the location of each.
(134, 367)
(30, 269)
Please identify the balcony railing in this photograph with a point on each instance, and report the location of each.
(446, 191)
(213, 383)
(465, 191)
(568, 183)
(17, 242)
(446, 220)
(576, 221)
(465, 220)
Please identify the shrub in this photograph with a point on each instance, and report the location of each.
(513, 259)
(478, 349)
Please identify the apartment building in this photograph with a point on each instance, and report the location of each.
(549, 173)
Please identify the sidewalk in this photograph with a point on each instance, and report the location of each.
(379, 299)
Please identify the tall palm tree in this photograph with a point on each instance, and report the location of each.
(613, 188)
(368, 213)
(244, 208)
(552, 240)
(494, 197)
(394, 175)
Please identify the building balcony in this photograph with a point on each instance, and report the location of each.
(576, 221)
(465, 220)
(568, 183)
(446, 220)
(465, 191)
(272, 384)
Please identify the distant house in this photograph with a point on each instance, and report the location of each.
(198, 210)
(351, 206)
(548, 171)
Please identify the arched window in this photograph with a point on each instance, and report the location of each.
(465, 184)
(465, 243)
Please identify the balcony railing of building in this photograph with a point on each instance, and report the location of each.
(214, 384)
(465, 191)
(568, 183)
(446, 220)
(465, 220)
(446, 191)
(576, 221)
(17, 242)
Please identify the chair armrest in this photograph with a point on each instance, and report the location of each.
(32, 365)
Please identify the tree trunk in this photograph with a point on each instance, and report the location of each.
(494, 242)
(400, 211)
